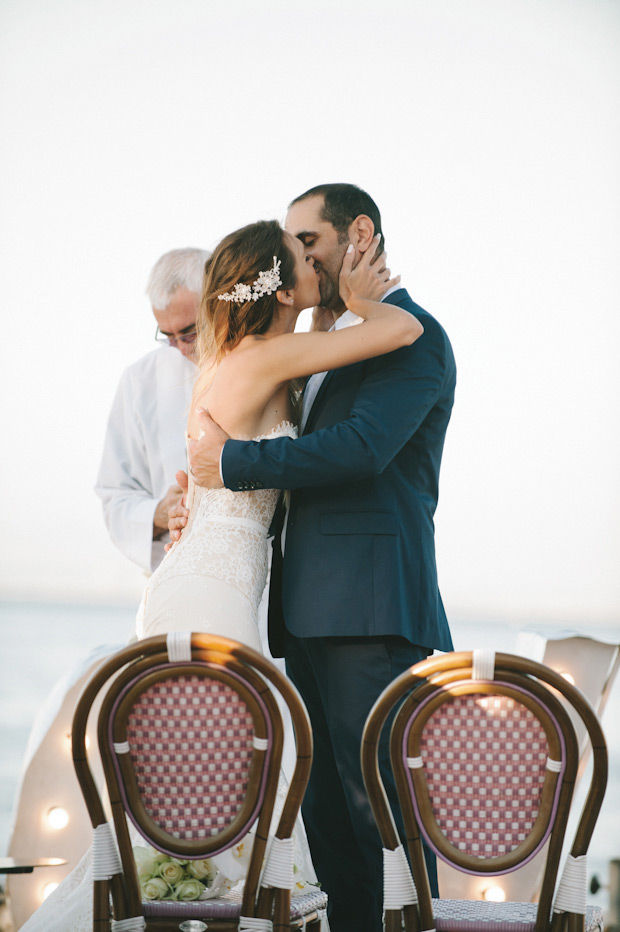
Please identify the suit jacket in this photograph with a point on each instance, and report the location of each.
(360, 550)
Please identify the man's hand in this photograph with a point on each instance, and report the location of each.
(205, 452)
(178, 513)
(171, 499)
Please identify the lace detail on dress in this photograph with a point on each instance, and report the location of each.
(226, 535)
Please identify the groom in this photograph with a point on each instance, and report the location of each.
(354, 602)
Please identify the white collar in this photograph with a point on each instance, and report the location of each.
(348, 318)
(391, 291)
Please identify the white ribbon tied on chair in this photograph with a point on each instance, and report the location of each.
(250, 924)
(179, 646)
(572, 890)
(135, 924)
(483, 664)
(106, 861)
(278, 870)
(398, 886)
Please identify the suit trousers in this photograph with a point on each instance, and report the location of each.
(339, 679)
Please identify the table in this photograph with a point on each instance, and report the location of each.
(27, 865)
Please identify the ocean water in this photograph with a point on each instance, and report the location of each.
(42, 643)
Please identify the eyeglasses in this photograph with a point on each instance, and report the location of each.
(189, 337)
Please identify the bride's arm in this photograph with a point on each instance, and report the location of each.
(384, 328)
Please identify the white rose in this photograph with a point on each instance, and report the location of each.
(202, 869)
(155, 889)
(188, 890)
(146, 864)
(171, 871)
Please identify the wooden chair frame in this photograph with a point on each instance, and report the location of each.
(411, 699)
(125, 676)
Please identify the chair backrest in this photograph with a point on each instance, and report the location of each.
(190, 737)
(484, 757)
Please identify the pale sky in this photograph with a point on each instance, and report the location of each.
(488, 131)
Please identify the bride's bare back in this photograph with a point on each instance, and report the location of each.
(245, 404)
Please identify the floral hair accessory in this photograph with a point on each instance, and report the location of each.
(266, 283)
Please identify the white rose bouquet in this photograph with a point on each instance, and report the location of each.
(165, 878)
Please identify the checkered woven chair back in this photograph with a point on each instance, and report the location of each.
(191, 745)
(485, 758)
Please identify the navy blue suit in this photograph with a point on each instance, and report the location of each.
(355, 600)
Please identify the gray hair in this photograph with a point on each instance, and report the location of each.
(179, 268)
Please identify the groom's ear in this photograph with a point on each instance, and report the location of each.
(361, 232)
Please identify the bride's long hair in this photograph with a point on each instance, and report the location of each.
(239, 259)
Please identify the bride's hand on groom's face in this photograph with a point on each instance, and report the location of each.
(205, 452)
(369, 277)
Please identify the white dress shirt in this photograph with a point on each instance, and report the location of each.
(347, 319)
(143, 449)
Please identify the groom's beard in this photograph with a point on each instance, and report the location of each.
(329, 293)
(329, 275)
(328, 289)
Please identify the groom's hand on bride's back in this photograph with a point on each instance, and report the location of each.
(204, 464)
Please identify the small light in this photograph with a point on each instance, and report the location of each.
(57, 817)
(86, 741)
(494, 894)
(567, 676)
(47, 889)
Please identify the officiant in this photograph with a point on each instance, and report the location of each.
(144, 444)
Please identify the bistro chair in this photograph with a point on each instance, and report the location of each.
(484, 757)
(190, 739)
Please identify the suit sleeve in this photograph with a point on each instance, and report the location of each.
(394, 398)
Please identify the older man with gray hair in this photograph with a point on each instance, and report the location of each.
(145, 441)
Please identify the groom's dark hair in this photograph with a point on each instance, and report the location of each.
(342, 203)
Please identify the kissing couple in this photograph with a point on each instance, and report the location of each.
(354, 599)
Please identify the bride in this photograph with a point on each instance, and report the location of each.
(256, 283)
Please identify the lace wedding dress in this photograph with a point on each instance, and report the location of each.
(211, 580)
